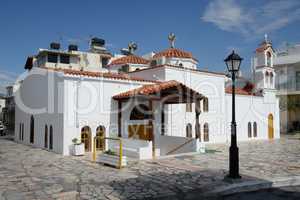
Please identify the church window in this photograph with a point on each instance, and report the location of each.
(189, 130)
(269, 59)
(254, 129)
(249, 130)
(31, 139)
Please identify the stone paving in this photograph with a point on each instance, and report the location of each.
(31, 173)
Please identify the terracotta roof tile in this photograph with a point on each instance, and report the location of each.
(241, 91)
(101, 74)
(175, 53)
(150, 89)
(131, 59)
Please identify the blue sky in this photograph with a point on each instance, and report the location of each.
(209, 29)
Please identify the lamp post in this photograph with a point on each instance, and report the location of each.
(233, 62)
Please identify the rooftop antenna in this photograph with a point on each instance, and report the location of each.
(172, 38)
(132, 47)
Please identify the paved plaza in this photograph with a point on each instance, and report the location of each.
(31, 173)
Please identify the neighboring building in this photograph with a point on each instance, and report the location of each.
(160, 104)
(95, 59)
(2, 105)
(9, 110)
(287, 68)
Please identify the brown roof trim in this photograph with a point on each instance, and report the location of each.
(151, 89)
(240, 91)
(184, 68)
(108, 75)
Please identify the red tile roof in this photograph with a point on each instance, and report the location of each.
(178, 67)
(102, 74)
(131, 59)
(241, 91)
(151, 89)
(263, 46)
(174, 53)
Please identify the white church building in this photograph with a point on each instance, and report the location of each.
(158, 104)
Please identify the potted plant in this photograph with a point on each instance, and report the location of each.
(78, 147)
(110, 157)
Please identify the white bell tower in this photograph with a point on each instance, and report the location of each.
(262, 65)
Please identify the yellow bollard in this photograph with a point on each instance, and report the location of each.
(94, 149)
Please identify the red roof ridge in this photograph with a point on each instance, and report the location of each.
(174, 52)
(150, 89)
(179, 67)
(130, 59)
(101, 74)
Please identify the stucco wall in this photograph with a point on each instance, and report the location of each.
(40, 95)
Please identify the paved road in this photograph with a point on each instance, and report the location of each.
(290, 193)
(31, 173)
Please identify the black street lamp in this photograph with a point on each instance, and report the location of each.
(233, 63)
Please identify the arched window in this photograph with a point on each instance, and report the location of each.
(46, 137)
(254, 129)
(205, 104)
(100, 141)
(86, 137)
(20, 131)
(51, 138)
(206, 132)
(269, 59)
(249, 130)
(189, 130)
(271, 79)
(31, 138)
(140, 112)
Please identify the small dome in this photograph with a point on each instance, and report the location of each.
(174, 53)
(131, 59)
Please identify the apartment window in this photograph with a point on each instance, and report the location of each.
(104, 62)
(52, 57)
(298, 80)
(65, 59)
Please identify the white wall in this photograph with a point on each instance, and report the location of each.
(40, 96)
(89, 103)
(252, 109)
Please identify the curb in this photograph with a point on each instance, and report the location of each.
(255, 185)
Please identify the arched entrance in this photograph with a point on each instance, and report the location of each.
(270, 126)
(86, 137)
(100, 142)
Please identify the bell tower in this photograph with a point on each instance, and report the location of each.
(262, 65)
